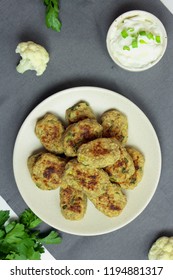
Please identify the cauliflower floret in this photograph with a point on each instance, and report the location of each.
(162, 249)
(34, 57)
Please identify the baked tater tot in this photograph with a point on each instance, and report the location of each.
(78, 112)
(115, 124)
(46, 170)
(123, 168)
(112, 202)
(73, 203)
(99, 153)
(49, 130)
(138, 160)
(85, 178)
(78, 133)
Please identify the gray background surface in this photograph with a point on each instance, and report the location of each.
(78, 57)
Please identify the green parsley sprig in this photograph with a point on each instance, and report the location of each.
(52, 15)
(19, 240)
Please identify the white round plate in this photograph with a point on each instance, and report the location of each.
(45, 204)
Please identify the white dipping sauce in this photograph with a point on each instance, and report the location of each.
(137, 40)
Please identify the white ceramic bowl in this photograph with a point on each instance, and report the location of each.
(136, 40)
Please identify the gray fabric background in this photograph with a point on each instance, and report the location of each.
(79, 58)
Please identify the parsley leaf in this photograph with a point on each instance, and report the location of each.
(29, 219)
(4, 216)
(2, 233)
(52, 238)
(16, 234)
(52, 15)
(18, 239)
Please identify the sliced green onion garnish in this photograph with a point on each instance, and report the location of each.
(134, 43)
(126, 48)
(150, 36)
(130, 29)
(142, 33)
(124, 33)
(133, 35)
(158, 39)
(142, 41)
